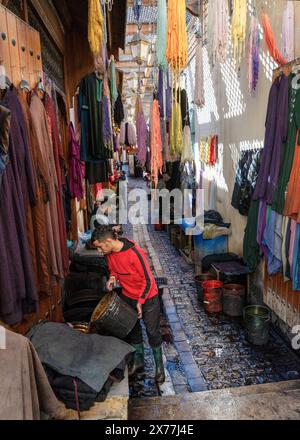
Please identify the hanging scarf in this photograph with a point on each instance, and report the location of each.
(177, 41)
(239, 26)
(113, 81)
(288, 32)
(199, 97)
(161, 92)
(156, 144)
(176, 139)
(161, 43)
(220, 31)
(271, 42)
(187, 153)
(253, 61)
(95, 26)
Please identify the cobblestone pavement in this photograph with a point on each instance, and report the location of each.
(202, 351)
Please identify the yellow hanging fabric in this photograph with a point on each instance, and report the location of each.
(176, 135)
(177, 41)
(95, 26)
(239, 27)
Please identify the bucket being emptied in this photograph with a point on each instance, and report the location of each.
(257, 322)
(212, 293)
(114, 316)
(234, 299)
(199, 280)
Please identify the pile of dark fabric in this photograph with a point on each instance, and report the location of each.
(81, 368)
(215, 218)
(245, 182)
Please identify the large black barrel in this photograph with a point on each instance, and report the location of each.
(114, 316)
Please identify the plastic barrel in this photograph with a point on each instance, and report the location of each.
(257, 322)
(212, 293)
(199, 280)
(234, 300)
(114, 316)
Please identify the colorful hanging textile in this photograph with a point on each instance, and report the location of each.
(253, 61)
(220, 30)
(271, 42)
(113, 81)
(288, 32)
(176, 138)
(187, 153)
(238, 31)
(161, 43)
(95, 26)
(161, 93)
(177, 41)
(156, 144)
(199, 97)
(168, 98)
(76, 167)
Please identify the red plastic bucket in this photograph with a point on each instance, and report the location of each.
(212, 293)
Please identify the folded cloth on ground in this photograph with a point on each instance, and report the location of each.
(212, 231)
(89, 357)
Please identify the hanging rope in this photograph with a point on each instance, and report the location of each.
(288, 32)
(177, 42)
(253, 61)
(156, 144)
(95, 26)
(271, 42)
(161, 44)
(239, 25)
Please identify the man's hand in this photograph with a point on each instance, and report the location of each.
(139, 308)
(111, 284)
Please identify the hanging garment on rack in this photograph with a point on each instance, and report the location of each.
(119, 110)
(251, 253)
(76, 167)
(18, 293)
(4, 139)
(275, 137)
(272, 240)
(289, 147)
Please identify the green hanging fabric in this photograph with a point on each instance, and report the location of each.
(113, 81)
(161, 44)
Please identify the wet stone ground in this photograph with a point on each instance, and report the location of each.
(203, 351)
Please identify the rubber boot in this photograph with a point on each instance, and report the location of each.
(160, 369)
(137, 362)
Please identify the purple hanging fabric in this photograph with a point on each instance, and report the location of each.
(76, 167)
(161, 93)
(142, 138)
(107, 131)
(168, 99)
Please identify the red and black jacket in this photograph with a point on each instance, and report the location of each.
(131, 269)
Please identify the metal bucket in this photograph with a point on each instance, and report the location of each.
(257, 322)
(199, 280)
(114, 316)
(234, 300)
(213, 296)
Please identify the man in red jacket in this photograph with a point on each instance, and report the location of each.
(129, 267)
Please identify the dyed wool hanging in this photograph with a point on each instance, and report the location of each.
(176, 137)
(199, 97)
(239, 26)
(156, 144)
(177, 41)
(220, 38)
(95, 26)
(253, 61)
(113, 80)
(161, 44)
(288, 32)
(187, 154)
(271, 42)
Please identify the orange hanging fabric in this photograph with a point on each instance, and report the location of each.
(271, 42)
(177, 42)
(156, 144)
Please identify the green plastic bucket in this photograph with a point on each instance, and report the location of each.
(257, 322)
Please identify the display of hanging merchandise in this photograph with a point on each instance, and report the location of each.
(218, 30)
(113, 81)
(177, 40)
(209, 150)
(76, 167)
(288, 32)
(270, 41)
(156, 144)
(238, 29)
(253, 60)
(95, 26)
(176, 134)
(161, 44)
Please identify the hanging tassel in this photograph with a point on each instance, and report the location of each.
(253, 61)
(176, 139)
(199, 98)
(95, 26)
(177, 41)
(239, 26)
(187, 154)
(156, 144)
(288, 32)
(161, 43)
(219, 33)
(271, 42)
